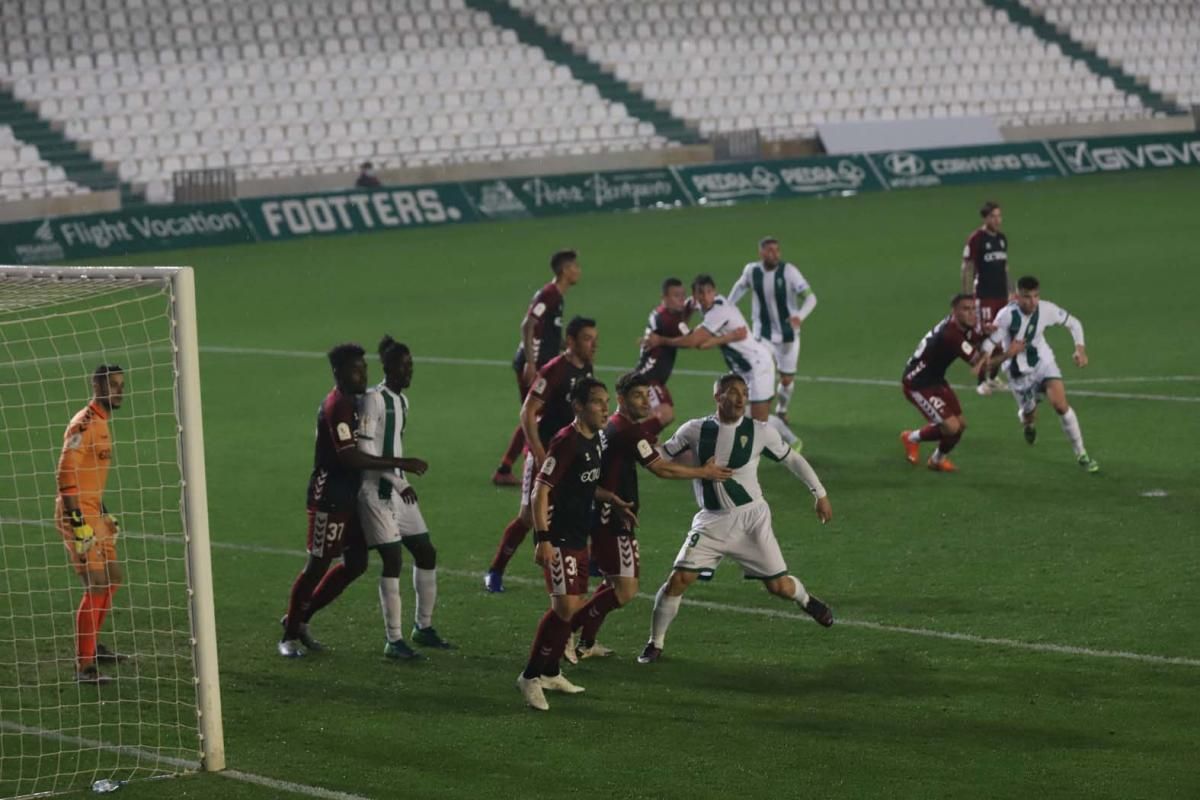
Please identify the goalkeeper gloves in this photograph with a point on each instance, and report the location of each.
(84, 536)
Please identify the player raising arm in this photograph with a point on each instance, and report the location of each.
(734, 520)
(333, 521)
(88, 530)
(1032, 370)
(669, 319)
(629, 437)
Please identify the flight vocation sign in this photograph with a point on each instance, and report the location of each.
(358, 211)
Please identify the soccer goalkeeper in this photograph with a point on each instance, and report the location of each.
(88, 530)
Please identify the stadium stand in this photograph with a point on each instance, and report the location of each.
(1158, 42)
(24, 174)
(785, 66)
(298, 88)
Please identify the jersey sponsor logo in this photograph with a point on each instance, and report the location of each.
(538, 309)
(548, 467)
(644, 448)
(343, 432)
(590, 476)
(74, 441)
(998, 255)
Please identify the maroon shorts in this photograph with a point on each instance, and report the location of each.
(935, 403)
(616, 555)
(659, 395)
(989, 307)
(330, 532)
(567, 572)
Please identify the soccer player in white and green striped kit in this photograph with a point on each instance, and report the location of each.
(734, 519)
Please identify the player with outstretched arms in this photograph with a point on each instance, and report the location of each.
(1032, 369)
(566, 488)
(547, 409)
(541, 340)
(669, 319)
(332, 502)
(629, 440)
(924, 383)
(775, 286)
(88, 530)
(387, 505)
(734, 520)
(985, 274)
(725, 327)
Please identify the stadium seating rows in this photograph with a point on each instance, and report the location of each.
(24, 174)
(1156, 41)
(785, 66)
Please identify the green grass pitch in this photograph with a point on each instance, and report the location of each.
(1021, 548)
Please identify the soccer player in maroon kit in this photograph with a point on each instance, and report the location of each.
(568, 482)
(985, 274)
(925, 386)
(541, 336)
(669, 319)
(547, 409)
(333, 528)
(629, 439)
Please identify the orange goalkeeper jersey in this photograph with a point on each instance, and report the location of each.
(86, 454)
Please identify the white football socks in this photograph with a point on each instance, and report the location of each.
(783, 396)
(665, 609)
(800, 595)
(425, 589)
(784, 431)
(1070, 426)
(389, 602)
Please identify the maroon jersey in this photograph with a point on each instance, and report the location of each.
(989, 253)
(572, 471)
(937, 351)
(546, 310)
(656, 363)
(626, 444)
(332, 486)
(553, 387)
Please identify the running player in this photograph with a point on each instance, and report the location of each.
(387, 505)
(568, 483)
(777, 286)
(669, 319)
(1033, 372)
(725, 327)
(547, 409)
(541, 340)
(333, 524)
(629, 439)
(88, 530)
(734, 520)
(985, 274)
(924, 383)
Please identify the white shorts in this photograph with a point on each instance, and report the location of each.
(744, 534)
(786, 355)
(388, 521)
(1029, 388)
(760, 377)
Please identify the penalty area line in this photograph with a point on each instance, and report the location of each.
(143, 754)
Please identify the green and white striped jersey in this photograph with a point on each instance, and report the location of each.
(738, 446)
(723, 317)
(382, 418)
(774, 294)
(1013, 324)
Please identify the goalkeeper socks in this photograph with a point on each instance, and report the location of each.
(665, 609)
(929, 433)
(85, 628)
(514, 534)
(1070, 426)
(515, 445)
(392, 607)
(783, 396)
(800, 594)
(425, 590)
(333, 584)
(104, 605)
(552, 634)
(784, 431)
(589, 618)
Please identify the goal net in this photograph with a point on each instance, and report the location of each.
(160, 713)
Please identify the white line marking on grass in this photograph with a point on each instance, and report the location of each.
(142, 754)
(487, 362)
(1155, 493)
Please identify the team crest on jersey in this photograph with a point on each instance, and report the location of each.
(743, 439)
(966, 347)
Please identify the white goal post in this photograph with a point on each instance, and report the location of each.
(161, 714)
